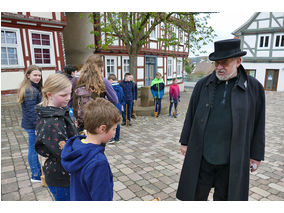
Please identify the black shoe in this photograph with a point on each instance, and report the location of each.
(123, 123)
(112, 141)
(116, 140)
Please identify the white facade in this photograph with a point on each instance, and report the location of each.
(261, 72)
(30, 38)
(263, 38)
(42, 15)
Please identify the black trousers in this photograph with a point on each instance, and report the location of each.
(216, 176)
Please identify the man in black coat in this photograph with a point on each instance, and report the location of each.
(223, 136)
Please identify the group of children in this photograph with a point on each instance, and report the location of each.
(76, 167)
(157, 89)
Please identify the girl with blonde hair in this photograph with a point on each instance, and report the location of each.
(91, 80)
(29, 95)
(54, 127)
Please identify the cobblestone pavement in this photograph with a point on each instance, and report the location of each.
(147, 162)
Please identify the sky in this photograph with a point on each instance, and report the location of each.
(224, 23)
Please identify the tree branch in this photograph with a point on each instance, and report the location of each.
(116, 31)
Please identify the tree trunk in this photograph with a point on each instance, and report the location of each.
(97, 28)
(133, 65)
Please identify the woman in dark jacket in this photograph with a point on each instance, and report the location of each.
(29, 96)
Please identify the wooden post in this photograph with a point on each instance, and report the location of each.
(127, 121)
(134, 110)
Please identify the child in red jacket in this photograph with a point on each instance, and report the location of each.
(174, 97)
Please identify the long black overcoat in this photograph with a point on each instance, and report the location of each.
(247, 140)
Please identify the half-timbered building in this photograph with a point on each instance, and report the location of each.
(263, 38)
(30, 38)
(151, 59)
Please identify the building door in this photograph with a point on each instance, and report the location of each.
(251, 72)
(150, 69)
(271, 80)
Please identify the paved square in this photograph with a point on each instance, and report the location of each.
(147, 162)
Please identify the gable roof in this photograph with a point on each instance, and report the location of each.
(262, 22)
(245, 25)
(204, 68)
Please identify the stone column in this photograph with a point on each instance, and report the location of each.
(146, 97)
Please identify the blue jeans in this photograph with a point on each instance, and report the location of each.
(32, 155)
(175, 102)
(129, 111)
(117, 132)
(158, 105)
(60, 193)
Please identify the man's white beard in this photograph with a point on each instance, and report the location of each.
(225, 77)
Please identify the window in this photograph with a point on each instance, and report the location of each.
(42, 48)
(125, 68)
(179, 67)
(181, 37)
(264, 41)
(170, 67)
(11, 48)
(251, 72)
(153, 34)
(115, 17)
(110, 65)
(279, 41)
(172, 29)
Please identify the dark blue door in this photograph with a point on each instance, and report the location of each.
(150, 69)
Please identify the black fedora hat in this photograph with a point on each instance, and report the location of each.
(228, 48)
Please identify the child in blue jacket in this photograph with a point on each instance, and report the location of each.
(157, 89)
(120, 95)
(83, 156)
(129, 95)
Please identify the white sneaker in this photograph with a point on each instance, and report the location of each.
(111, 141)
(35, 181)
